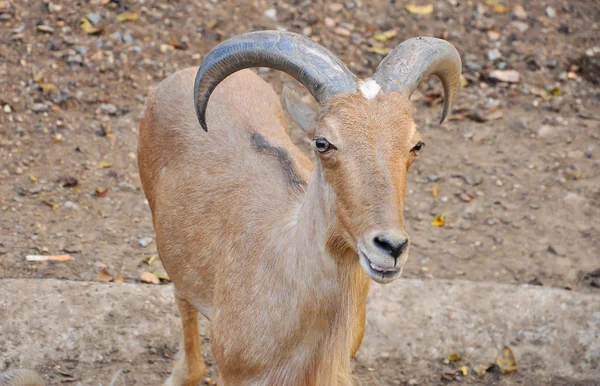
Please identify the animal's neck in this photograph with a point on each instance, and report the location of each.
(329, 294)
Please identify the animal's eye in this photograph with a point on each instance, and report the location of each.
(417, 147)
(323, 145)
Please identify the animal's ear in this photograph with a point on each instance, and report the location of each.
(303, 115)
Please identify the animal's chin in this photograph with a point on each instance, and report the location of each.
(379, 274)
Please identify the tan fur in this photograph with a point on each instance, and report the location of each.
(275, 269)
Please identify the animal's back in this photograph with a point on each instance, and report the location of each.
(214, 189)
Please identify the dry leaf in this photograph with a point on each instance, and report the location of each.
(506, 361)
(119, 279)
(481, 370)
(33, 178)
(48, 258)
(89, 28)
(435, 191)
(162, 276)
(464, 370)
(454, 357)
(104, 276)
(497, 7)
(178, 44)
(422, 10)
(463, 81)
(439, 221)
(101, 192)
(50, 204)
(104, 164)
(149, 277)
(385, 36)
(127, 16)
(150, 259)
(379, 50)
(47, 87)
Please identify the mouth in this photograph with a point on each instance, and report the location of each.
(379, 274)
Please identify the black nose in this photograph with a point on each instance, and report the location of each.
(392, 245)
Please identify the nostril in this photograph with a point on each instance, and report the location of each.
(393, 248)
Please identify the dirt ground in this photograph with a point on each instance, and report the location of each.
(515, 170)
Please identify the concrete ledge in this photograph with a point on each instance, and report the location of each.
(90, 329)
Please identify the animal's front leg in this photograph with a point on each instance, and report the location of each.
(189, 367)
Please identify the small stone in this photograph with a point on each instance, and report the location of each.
(465, 197)
(127, 38)
(145, 241)
(508, 76)
(545, 131)
(519, 12)
(551, 12)
(472, 66)
(493, 35)
(329, 22)
(108, 108)
(7, 109)
(521, 26)
(493, 55)
(306, 31)
(39, 108)
(413, 382)
(342, 32)
(499, 183)
(70, 205)
(336, 7)
(44, 28)
(551, 63)
(572, 172)
(94, 17)
(75, 59)
(271, 13)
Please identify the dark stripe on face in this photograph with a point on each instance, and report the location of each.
(292, 178)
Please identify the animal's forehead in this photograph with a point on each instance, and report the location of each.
(353, 112)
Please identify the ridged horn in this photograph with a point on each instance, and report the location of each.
(417, 58)
(319, 70)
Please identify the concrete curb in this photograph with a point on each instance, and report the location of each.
(412, 326)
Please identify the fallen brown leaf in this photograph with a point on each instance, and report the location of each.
(89, 28)
(439, 221)
(149, 277)
(454, 357)
(435, 191)
(385, 36)
(104, 276)
(379, 50)
(101, 192)
(506, 361)
(421, 10)
(150, 259)
(119, 279)
(127, 16)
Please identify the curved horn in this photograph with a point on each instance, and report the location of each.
(417, 58)
(319, 70)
